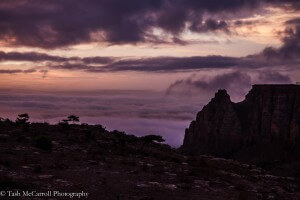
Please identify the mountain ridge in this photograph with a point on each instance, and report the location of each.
(269, 116)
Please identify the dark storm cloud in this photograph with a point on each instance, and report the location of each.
(59, 23)
(287, 55)
(291, 43)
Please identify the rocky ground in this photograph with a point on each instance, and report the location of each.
(113, 165)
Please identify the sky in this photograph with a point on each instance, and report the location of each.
(141, 66)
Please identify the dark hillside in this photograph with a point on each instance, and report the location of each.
(112, 165)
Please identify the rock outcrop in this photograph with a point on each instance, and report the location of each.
(270, 114)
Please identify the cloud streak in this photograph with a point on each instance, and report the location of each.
(41, 57)
(166, 64)
(16, 71)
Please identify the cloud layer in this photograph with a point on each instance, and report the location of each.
(61, 23)
(291, 42)
(237, 83)
(136, 112)
(287, 54)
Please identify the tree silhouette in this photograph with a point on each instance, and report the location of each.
(152, 138)
(22, 119)
(148, 139)
(74, 119)
(65, 121)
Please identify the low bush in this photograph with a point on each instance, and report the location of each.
(43, 142)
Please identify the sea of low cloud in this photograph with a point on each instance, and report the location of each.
(135, 112)
(138, 112)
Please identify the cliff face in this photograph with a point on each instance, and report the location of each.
(269, 114)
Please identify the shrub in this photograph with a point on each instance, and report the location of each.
(43, 142)
(64, 125)
(101, 128)
(73, 118)
(22, 119)
(152, 138)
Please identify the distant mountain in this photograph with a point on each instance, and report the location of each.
(264, 127)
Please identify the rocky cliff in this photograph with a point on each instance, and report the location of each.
(270, 114)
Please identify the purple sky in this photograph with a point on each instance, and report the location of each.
(142, 66)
